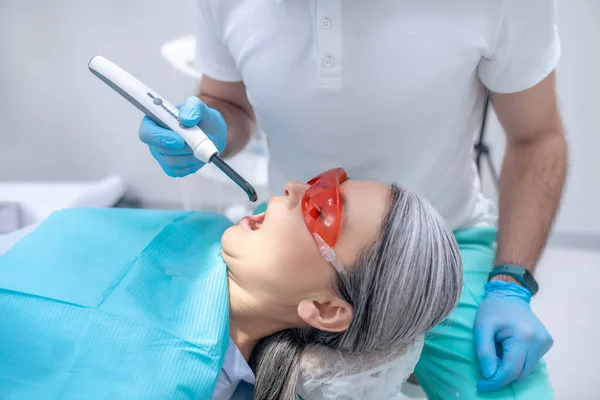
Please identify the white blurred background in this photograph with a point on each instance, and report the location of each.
(59, 122)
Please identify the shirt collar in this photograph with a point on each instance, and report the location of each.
(235, 365)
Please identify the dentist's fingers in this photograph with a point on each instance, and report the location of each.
(509, 367)
(153, 135)
(192, 111)
(485, 348)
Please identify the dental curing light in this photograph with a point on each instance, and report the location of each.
(166, 116)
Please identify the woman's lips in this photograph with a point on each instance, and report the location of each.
(252, 222)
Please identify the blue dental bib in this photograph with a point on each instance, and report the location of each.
(114, 304)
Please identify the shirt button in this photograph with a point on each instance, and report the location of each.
(328, 61)
(325, 23)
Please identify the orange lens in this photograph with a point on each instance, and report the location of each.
(322, 205)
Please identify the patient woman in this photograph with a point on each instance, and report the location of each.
(139, 304)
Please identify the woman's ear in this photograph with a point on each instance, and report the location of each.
(331, 315)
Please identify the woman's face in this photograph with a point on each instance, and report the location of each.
(274, 256)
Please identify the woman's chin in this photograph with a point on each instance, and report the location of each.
(225, 256)
(231, 244)
(229, 237)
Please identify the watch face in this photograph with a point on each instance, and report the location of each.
(531, 283)
(519, 273)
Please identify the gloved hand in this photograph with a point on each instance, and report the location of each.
(170, 150)
(509, 338)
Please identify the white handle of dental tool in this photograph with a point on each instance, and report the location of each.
(153, 105)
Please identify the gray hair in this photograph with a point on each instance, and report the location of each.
(401, 286)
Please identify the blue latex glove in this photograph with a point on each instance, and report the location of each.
(170, 150)
(509, 338)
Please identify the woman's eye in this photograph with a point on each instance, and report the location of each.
(321, 216)
(315, 213)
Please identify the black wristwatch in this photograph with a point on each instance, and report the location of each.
(521, 274)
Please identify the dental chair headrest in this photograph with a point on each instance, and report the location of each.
(327, 374)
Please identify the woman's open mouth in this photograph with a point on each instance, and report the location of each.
(252, 222)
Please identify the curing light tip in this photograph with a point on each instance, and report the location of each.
(234, 176)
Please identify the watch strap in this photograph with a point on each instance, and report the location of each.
(521, 274)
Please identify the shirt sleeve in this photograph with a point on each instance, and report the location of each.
(212, 57)
(527, 47)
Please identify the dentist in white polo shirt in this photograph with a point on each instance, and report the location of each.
(393, 90)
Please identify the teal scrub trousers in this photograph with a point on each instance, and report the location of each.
(448, 367)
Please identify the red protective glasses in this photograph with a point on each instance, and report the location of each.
(322, 208)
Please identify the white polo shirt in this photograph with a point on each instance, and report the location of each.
(391, 90)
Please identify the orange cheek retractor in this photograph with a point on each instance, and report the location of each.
(322, 208)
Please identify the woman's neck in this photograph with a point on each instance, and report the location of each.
(247, 325)
(243, 339)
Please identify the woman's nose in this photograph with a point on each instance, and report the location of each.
(293, 193)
